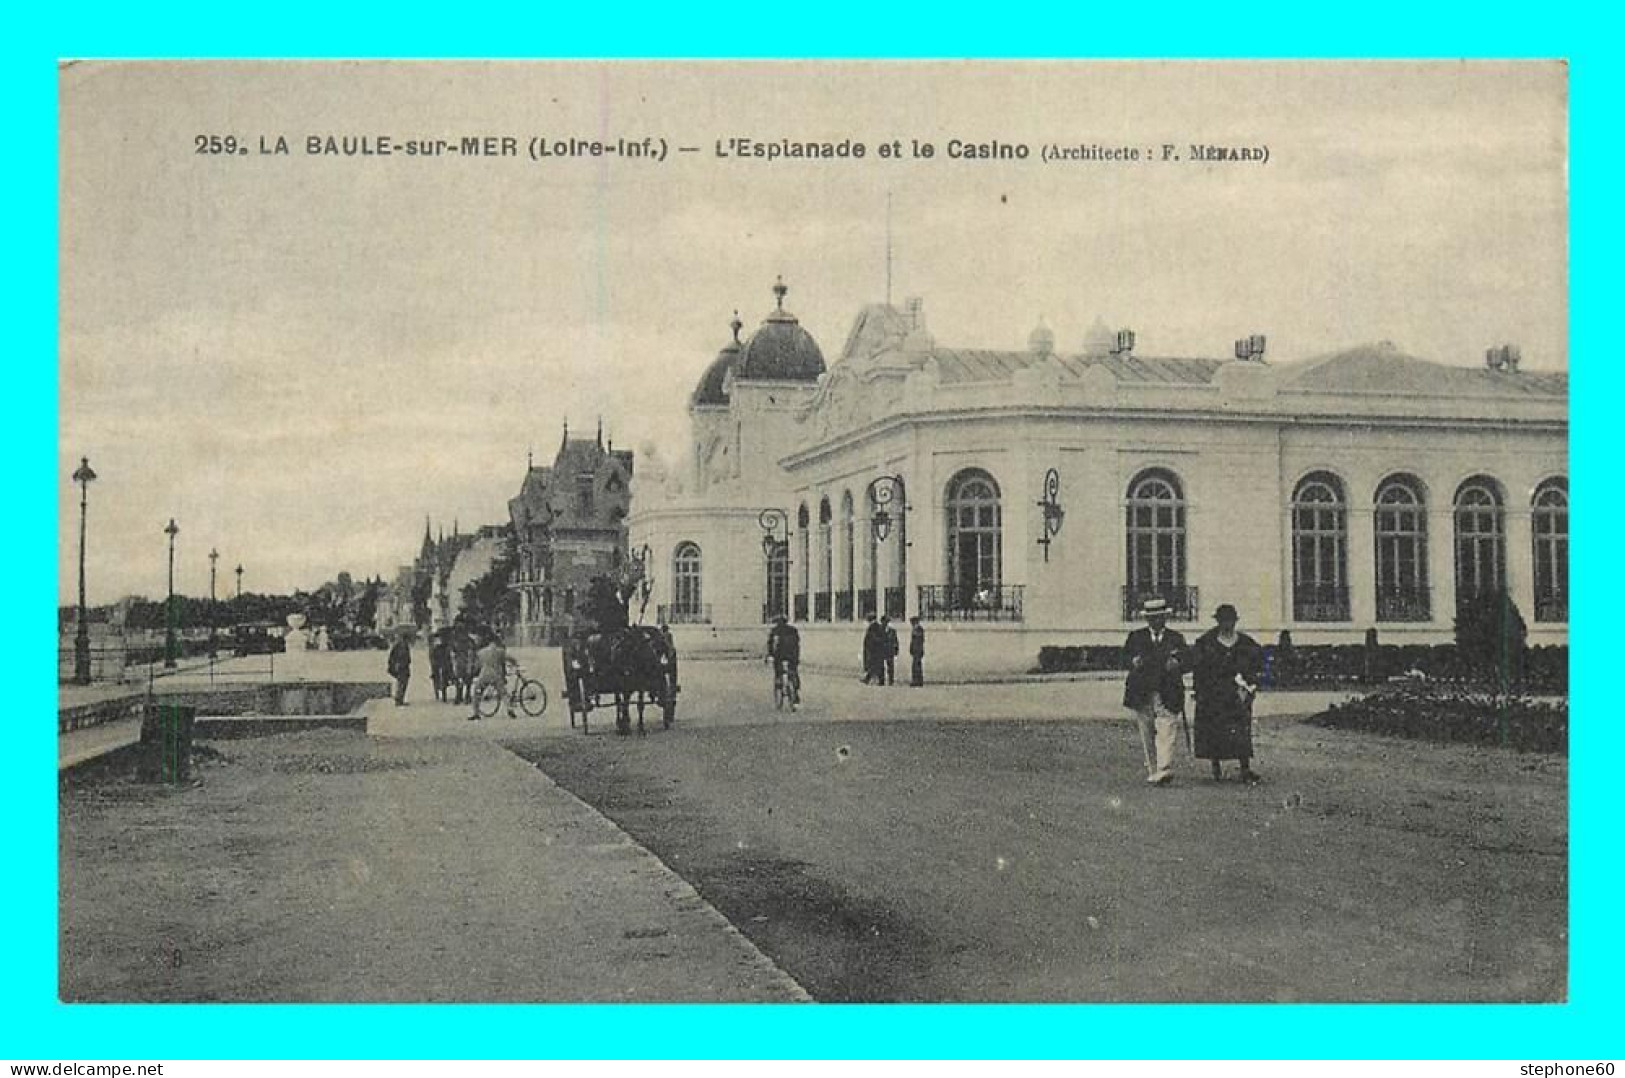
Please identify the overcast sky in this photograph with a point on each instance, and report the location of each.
(299, 357)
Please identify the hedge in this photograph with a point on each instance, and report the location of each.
(1545, 667)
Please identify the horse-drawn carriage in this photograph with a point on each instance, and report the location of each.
(630, 667)
(613, 662)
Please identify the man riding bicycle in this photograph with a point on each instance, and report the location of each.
(784, 652)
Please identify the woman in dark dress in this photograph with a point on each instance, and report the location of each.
(1227, 666)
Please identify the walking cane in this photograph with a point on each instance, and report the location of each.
(1190, 747)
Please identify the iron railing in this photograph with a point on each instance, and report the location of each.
(843, 606)
(952, 602)
(801, 606)
(866, 604)
(896, 602)
(684, 615)
(1552, 606)
(1320, 602)
(1182, 600)
(1404, 604)
(821, 606)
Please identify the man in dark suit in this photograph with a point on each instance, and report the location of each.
(1155, 689)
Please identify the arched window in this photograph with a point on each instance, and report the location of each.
(1480, 539)
(1550, 517)
(778, 580)
(803, 529)
(849, 569)
(826, 556)
(974, 538)
(685, 577)
(1156, 545)
(1320, 550)
(1402, 551)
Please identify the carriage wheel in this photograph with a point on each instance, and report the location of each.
(489, 701)
(533, 698)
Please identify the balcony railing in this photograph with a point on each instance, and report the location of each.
(1404, 604)
(896, 602)
(1320, 602)
(951, 602)
(1181, 600)
(684, 615)
(821, 606)
(866, 604)
(843, 606)
(1553, 606)
(801, 606)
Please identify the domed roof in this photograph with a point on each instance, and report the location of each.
(712, 388)
(1041, 340)
(780, 350)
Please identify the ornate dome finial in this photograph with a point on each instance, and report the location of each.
(779, 290)
(736, 325)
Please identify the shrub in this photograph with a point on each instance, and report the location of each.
(1491, 637)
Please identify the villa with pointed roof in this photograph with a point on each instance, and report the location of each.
(1037, 496)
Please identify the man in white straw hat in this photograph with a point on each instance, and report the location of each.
(1155, 689)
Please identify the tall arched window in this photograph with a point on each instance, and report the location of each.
(1480, 539)
(1550, 517)
(687, 602)
(826, 555)
(1156, 544)
(868, 598)
(804, 572)
(1401, 527)
(849, 569)
(975, 528)
(1320, 550)
(778, 580)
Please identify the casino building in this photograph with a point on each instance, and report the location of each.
(1036, 496)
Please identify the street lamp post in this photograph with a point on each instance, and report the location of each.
(214, 556)
(169, 611)
(1054, 514)
(81, 637)
(239, 580)
(778, 598)
(884, 490)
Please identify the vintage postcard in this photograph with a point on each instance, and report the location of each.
(632, 531)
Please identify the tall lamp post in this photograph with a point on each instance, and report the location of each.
(214, 556)
(81, 637)
(770, 521)
(883, 490)
(169, 609)
(1054, 514)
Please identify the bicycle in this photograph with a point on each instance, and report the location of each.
(526, 694)
(786, 688)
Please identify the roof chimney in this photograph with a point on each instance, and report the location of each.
(1124, 343)
(1251, 347)
(1504, 358)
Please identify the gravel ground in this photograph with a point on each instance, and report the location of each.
(1027, 861)
(329, 866)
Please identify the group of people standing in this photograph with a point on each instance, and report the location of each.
(1225, 665)
(463, 659)
(880, 648)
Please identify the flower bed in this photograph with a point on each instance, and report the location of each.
(1446, 715)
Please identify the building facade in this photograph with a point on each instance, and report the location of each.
(570, 524)
(1033, 497)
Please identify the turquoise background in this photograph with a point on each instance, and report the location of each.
(33, 1025)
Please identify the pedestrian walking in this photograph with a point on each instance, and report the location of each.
(1226, 665)
(440, 663)
(464, 664)
(916, 651)
(889, 653)
(874, 646)
(399, 666)
(1155, 688)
